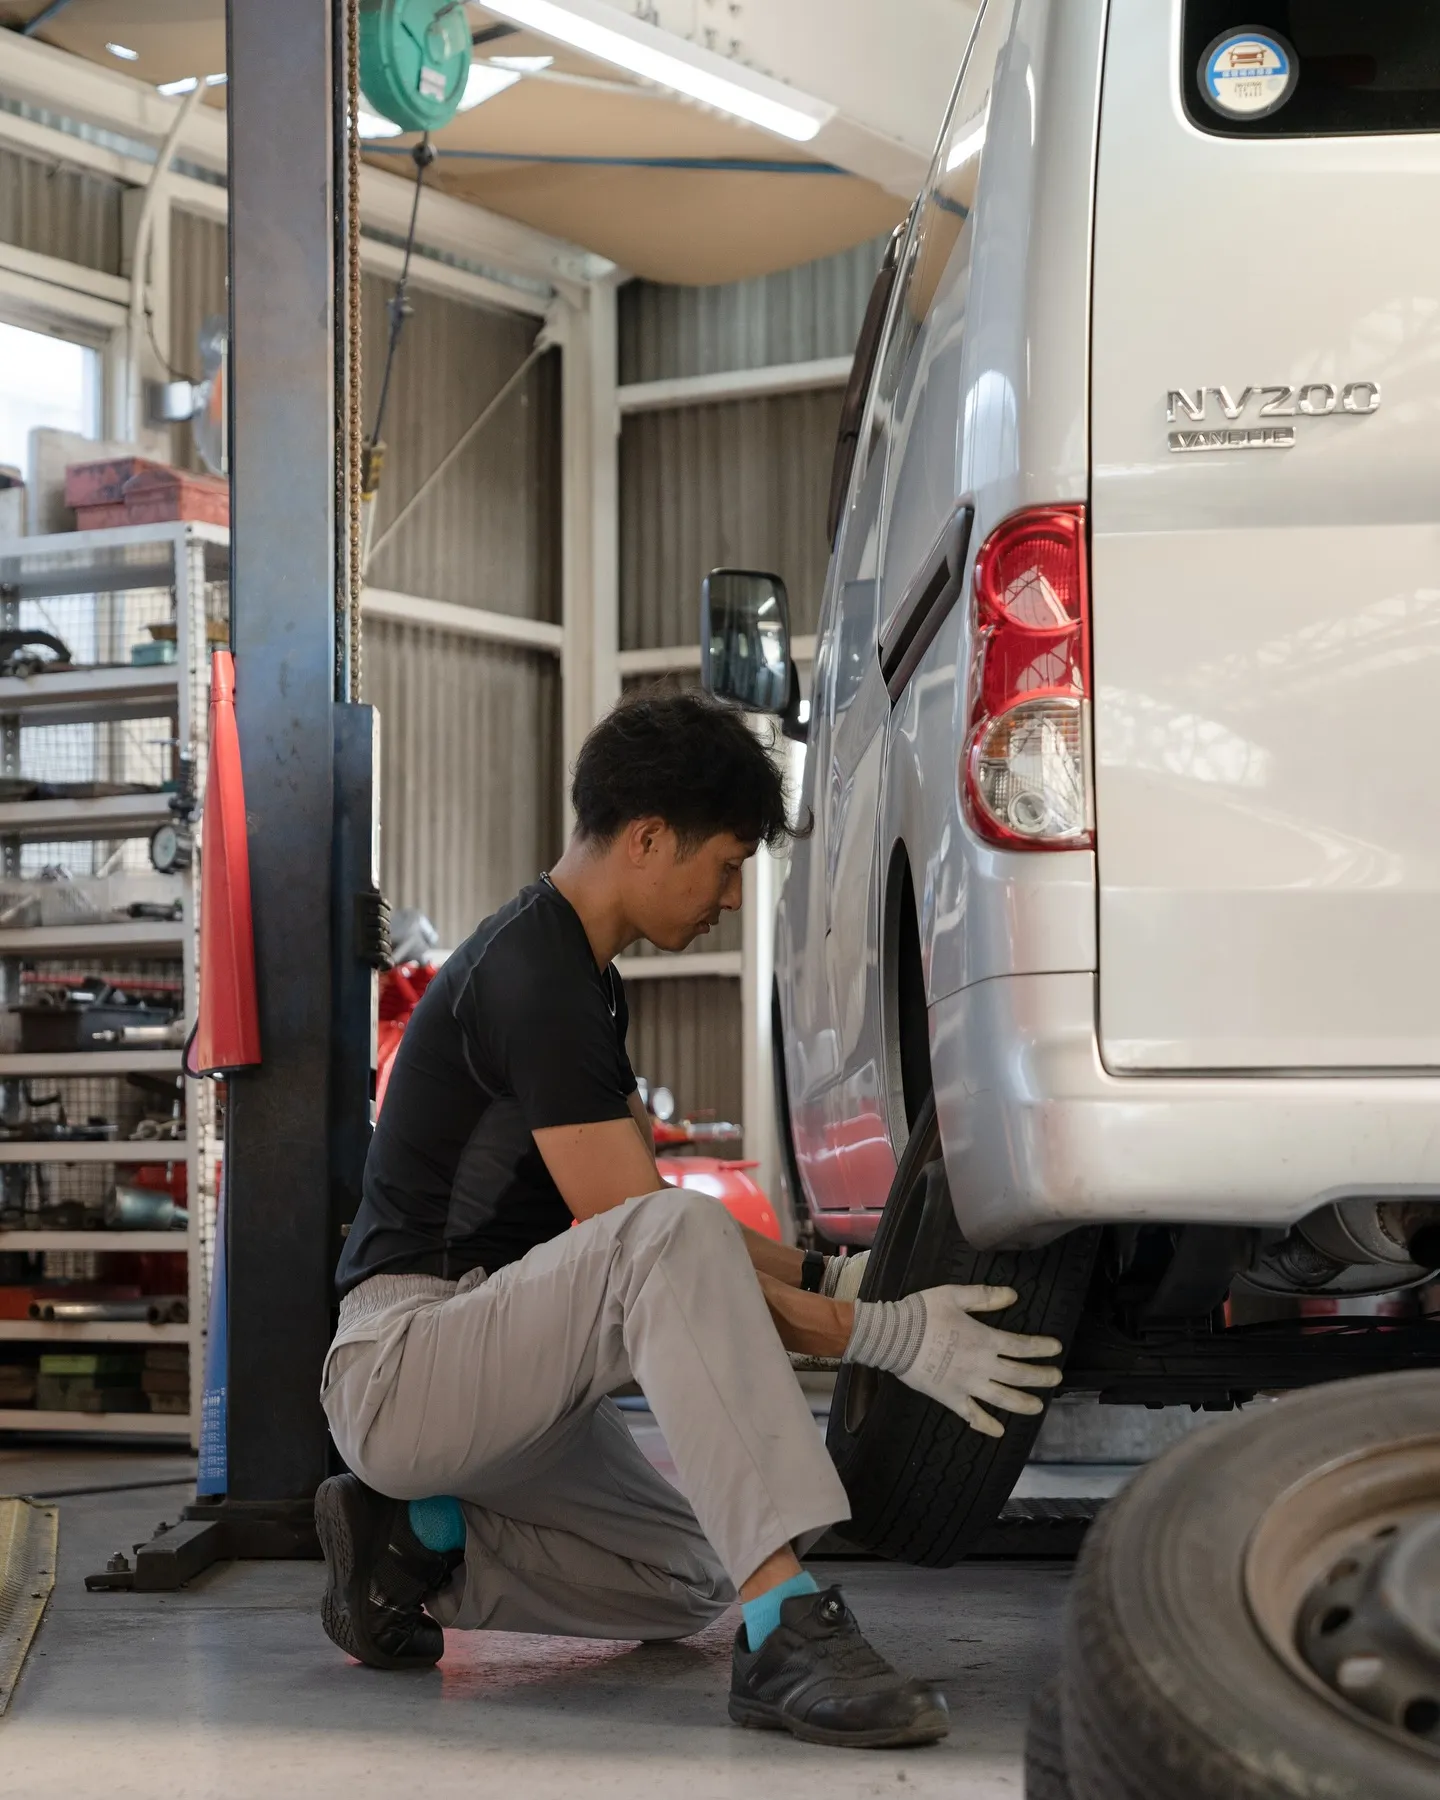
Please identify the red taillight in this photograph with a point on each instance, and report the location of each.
(1026, 773)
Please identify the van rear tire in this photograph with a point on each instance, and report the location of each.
(922, 1485)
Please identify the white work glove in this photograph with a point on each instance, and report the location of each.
(843, 1275)
(935, 1345)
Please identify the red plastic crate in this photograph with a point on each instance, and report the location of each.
(132, 490)
(103, 483)
(155, 496)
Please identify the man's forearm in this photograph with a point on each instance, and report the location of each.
(782, 1262)
(808, 1324)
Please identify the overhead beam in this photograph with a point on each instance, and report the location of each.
(468, 621)
(70, 87)
(209, 200)
(734, 384)
(46, 286)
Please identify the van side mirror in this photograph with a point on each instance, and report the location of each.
(745, 643)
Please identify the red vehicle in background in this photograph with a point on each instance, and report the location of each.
(684, 1155)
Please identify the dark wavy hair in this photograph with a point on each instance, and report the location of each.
(685, 758)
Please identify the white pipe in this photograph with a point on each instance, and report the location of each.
(154, 193)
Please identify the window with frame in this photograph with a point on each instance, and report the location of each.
(1360, 70)
(45, 379)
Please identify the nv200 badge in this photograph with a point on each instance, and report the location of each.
(1190, 407)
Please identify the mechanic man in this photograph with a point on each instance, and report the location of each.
(495, 1485)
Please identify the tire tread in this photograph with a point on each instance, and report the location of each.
(923, 1486)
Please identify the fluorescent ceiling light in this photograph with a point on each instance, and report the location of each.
(522, 65)
(484, 83)
(371, 125)
(614, 37)
(124, 52)
(187, 85)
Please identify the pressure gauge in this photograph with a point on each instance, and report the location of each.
(171, 849)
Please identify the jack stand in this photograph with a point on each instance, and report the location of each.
(211, 1531)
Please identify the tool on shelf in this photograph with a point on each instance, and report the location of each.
(143, 1209)
(93, 1015)
(18, 647)
(157, 1310)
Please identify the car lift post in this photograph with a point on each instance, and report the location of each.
(298, 1124)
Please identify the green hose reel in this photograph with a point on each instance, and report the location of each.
(414, 60)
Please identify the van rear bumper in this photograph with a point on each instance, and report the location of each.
(1039, 1136)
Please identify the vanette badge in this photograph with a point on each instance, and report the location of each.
(1256, 437)
(1312, 400)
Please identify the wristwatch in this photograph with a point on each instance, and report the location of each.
(812, 1272)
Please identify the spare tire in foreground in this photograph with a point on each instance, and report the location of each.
(1239, 1628)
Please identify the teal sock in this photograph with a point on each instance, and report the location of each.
(763, 1615)
(438, 1522)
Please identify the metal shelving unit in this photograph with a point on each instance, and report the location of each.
(101, 1239)
(152, 937)
(101, 1150)
(15, 1064)
(73, 821)
(99, 590)
(101, 1424)
(117, 1331)
(116, 1424)
(90, 695)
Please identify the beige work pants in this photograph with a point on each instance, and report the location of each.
(495, 1391)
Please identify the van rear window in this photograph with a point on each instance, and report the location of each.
(1358, 68)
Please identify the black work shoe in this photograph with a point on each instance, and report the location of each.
(817, 1678)
(380, 1575)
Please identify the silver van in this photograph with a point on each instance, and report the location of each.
(1111, 966)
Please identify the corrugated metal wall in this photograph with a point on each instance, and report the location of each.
(793, 316)
(197, 289)
(685, 1034)
(60, 211)
(470, 733)
(742, 483)
(488, 535)
(470, 770)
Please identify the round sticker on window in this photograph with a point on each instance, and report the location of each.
(1247, 74)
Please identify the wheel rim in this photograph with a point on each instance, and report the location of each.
(1342, 1577)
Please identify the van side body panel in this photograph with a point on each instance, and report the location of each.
(1020, 439)
(993, 413)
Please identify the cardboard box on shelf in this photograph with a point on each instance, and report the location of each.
(17, 1384)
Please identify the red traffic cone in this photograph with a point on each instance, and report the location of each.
(227, 1035)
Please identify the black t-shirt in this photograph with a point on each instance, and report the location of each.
(518, 1031)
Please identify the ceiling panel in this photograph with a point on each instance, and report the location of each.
(680, 223)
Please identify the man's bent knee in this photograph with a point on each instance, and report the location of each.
(687, 1222)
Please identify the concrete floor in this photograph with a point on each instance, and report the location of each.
(229, 1689)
